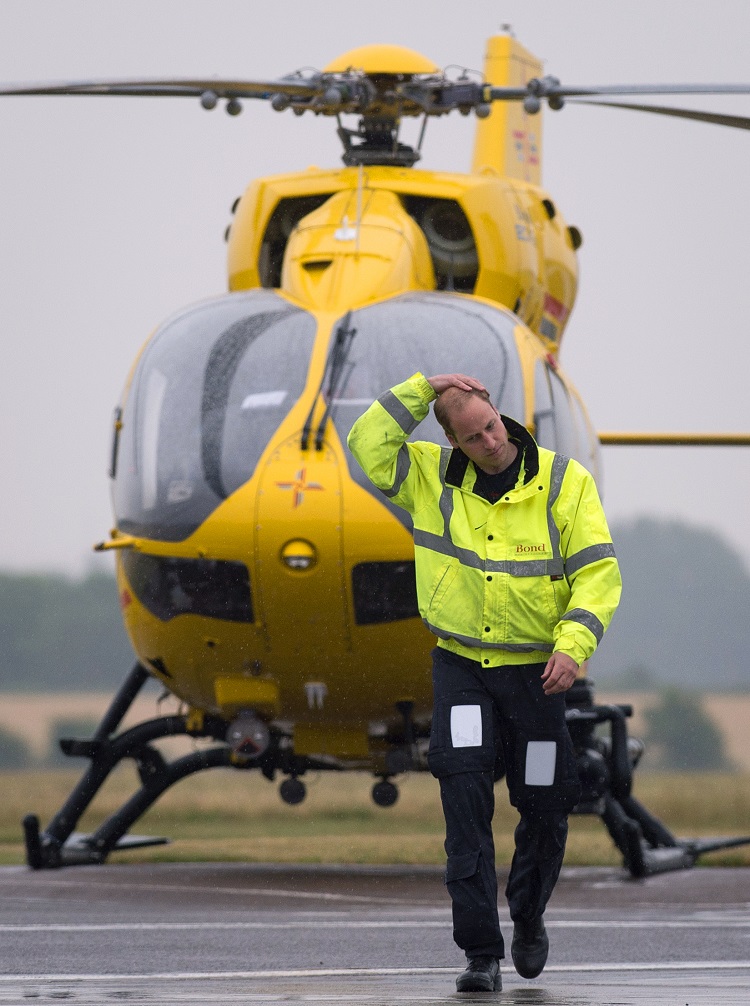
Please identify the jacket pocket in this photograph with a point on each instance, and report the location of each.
(531, 611)
(561, 595)
(442, 583)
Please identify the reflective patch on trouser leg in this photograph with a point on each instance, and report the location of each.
(540, 763)
(466, 726)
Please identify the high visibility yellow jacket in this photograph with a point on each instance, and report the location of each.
(502, 583)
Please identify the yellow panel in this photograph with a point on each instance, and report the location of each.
(247, 693)
(357, 247)
(382, 59)
(338, 742)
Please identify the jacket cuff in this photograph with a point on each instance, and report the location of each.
(422, 387)
(574, 650)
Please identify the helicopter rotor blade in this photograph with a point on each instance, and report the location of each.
(733, 121)
(354, 92)
(550, 86)
(190, 87)
(556, 94)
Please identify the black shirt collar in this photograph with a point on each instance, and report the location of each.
(459, 462)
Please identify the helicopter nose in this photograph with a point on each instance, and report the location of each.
(298, 560)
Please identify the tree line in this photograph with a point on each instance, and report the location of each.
(682, 628)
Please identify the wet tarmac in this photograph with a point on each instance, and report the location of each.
(238, 933)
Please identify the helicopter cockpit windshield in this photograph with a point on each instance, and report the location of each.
(434, 333)
(209, 391)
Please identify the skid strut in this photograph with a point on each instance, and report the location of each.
(606, 770)
(58, 844)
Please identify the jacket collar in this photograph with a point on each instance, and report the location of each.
(459, 462)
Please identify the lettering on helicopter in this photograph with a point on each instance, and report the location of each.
(526, 148)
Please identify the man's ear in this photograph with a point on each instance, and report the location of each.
(451, 440)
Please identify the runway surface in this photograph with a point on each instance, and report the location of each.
(236, 933)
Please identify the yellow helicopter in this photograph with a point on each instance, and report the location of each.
(262, 579)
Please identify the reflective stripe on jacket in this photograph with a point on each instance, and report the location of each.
(502, 583)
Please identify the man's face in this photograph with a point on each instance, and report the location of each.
(479, 431)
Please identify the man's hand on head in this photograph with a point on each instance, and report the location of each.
(559, 674)
(441, 383)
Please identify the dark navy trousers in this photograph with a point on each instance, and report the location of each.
(483, 717)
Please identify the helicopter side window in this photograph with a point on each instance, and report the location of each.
(587, 439)
(209, 391)
(433, 333)
(561, 423)
(544, 415)
(156, 386)
(567, 434)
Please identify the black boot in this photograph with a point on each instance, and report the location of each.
(482, 974)
(530, 947)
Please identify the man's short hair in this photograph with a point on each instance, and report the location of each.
(453, 401)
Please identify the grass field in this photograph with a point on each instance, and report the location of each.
(230, 815)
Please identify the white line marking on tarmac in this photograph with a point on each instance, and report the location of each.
(88, 927)
(269, 892)
(373, 972)
(55, 927)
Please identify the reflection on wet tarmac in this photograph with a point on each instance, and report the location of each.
(210, 934)
(612, 989)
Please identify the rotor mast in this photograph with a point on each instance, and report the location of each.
(386, 68)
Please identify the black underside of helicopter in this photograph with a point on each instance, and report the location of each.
(605, 766)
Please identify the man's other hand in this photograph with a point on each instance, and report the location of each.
(559, 674)
(441, 383)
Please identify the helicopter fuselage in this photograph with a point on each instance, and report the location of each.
(258, 570)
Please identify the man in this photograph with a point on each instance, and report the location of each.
(517, 577)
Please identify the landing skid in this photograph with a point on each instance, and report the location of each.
(605, 766)
(59, 844)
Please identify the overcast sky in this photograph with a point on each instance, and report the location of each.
(112, 213)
